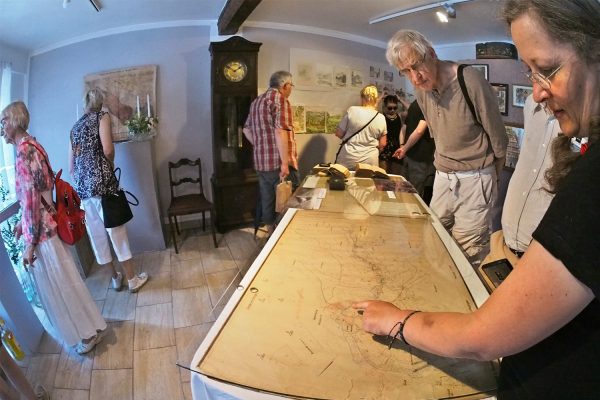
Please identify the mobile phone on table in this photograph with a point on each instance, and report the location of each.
(497, 271)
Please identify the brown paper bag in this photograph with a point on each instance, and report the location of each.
(282, 195)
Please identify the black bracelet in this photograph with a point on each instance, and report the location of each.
(400, 333)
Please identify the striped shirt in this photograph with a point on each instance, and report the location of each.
(268, 112)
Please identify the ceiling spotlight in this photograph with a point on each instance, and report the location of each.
(449, 12)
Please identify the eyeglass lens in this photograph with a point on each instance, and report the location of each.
(392, 108)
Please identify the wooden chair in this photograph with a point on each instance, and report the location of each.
(190, 203)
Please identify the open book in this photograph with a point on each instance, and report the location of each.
(370, 171)
(331, 169)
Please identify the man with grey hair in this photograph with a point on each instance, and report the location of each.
(269, 129)
(470, 139)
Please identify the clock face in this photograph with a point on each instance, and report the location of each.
(235, 71)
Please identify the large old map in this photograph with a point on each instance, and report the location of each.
(294, 332)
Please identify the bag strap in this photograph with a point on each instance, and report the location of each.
(354, 134)
(465, 92)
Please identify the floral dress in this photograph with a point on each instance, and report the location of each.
(92, 171)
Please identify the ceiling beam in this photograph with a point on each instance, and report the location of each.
(234, 14)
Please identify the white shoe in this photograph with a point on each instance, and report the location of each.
(117, 282)
(137, 282)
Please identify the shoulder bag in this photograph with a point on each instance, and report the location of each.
(115, 206)
(351, 136)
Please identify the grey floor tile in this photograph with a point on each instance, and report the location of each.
(154, 327)
(113, 384)
(116, 349)
(155, 375)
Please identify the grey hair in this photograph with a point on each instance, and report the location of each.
(280, 78)
(94, 99)
(406, 43)
(17, 115)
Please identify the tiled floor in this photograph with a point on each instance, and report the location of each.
(149, 332)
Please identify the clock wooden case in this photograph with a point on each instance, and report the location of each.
(234, 80)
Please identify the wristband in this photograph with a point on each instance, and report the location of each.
(400, 333)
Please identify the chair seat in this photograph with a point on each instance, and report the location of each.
(189, 204)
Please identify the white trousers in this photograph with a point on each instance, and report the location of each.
(99, 235)
(463, 203)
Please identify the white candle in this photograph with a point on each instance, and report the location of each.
(148, 102)
(137, 102)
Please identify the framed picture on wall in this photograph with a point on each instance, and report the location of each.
(519, 94)
(501, 90)
(483, 68)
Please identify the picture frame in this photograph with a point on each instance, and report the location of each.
(501, 90)
(483, 68)
(519, 94)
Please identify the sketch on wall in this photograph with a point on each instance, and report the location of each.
(305, 74)
(357, 78)
(324, 75)
(340, 75)
(123, 90)
(299, 119)
(515, 138)
(332, 122)
(316, 121)
(374, 72)
(388, 76)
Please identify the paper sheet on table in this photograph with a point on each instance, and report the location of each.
(307, 199)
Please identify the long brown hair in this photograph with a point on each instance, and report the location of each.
(574, 22)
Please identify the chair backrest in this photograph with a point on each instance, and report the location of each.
(176, 180)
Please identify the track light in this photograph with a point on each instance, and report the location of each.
(449, 12)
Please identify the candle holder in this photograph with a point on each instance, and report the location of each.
(141, 127)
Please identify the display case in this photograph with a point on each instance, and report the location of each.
(234, 79)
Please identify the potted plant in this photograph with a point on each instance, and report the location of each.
(140, 126)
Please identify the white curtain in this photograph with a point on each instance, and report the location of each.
(7, 152)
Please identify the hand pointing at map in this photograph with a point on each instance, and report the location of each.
(379, 317)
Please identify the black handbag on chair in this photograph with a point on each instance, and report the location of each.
(115, 207)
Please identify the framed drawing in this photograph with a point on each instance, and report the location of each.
(483, 68)
(126, 91)
(519, 94)
(501, 90)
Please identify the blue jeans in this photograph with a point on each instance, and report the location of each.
(267, 184)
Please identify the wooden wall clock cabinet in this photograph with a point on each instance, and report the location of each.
(234, 80)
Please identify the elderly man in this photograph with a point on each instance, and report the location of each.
(269, 128)
(469, 136)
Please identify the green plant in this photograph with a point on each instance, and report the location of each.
(140, 124)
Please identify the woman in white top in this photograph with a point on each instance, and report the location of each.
(363, 132)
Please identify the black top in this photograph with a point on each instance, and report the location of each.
(393, 138)
(422, 150)
(566, 365)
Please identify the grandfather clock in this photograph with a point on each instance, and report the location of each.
(234, 80)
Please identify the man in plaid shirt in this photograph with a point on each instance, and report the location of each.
(269, 129)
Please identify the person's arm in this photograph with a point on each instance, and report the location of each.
(106, 137)
(248, 134)
(414, 137)
(339, 132)
(521, 312)
(71, 160)
(281, 138)
(382, 142)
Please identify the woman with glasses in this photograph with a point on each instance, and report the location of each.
(544, 319)
(66, 299)
(363, 132)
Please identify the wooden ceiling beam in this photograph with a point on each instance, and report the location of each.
(234, 14)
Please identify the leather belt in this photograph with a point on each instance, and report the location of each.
(517, 253)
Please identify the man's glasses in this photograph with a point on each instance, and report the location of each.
(416, 67)
(392, 108)
(542, 79)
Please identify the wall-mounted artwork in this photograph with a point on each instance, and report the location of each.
(324, 75)
(374, 72)
(388, 76)
(305, 74)
(341, 76)
(333, 121)
(126, 92)
(299, 119)
(501, 90)
(357, 78)
(515, 138)
(316, 121)
(520, 94)
(482, 68)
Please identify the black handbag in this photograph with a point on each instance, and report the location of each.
(115, 206)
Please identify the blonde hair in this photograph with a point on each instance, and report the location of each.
(17, 115)
(369, 94)
(407, 43)
(94, 99)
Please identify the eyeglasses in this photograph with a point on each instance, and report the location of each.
(416, 67)
(541, 79)
(392, 108)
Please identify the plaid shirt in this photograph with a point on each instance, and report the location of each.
(268, 112)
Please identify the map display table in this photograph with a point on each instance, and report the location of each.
(289, 330)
